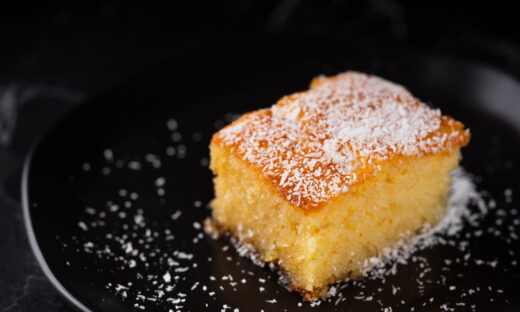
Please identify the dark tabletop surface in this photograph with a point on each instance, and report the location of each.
(52, 56)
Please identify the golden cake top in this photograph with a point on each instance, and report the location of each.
(317, 144)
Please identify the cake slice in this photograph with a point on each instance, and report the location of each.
(327, 178)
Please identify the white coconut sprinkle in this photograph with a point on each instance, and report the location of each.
(134, 244)
(312, 144)
(167, 277)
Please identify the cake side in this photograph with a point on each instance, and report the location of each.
(315, 145)
(319, 247)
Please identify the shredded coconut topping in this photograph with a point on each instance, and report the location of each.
(314, 145)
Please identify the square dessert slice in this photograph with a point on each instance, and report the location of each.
(326, 179)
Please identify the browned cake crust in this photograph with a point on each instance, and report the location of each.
(314, 145)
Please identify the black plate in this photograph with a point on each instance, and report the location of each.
(75, 207)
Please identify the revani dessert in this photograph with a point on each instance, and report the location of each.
(326, 179)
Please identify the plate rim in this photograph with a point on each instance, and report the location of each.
(72, 300)
(29, 230)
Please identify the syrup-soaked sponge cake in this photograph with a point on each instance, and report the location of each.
(327, 178)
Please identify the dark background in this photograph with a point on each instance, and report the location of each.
(53, 55)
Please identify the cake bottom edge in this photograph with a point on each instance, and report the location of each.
(247, 250)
